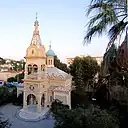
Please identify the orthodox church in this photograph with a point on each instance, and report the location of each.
(43, 82)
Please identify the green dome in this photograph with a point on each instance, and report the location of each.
(50, 52)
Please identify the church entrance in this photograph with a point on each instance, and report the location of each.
(31, 99)
(31, 102)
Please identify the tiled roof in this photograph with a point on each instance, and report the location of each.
(56, 73)
(51, 73)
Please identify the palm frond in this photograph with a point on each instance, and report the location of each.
(98, 29)
(95, 1)
(100, 6)
(99, 23)
(108, 17)
(116, 29)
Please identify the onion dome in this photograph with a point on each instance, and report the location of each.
(50, 52)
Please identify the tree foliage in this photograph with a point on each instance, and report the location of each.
(56, 105)
(83, 71)
(11, 79)
(7, 94)
(60, 65)
(82, 117)
(19, 100)
(3, 95)
(112, 90)
(17, 78)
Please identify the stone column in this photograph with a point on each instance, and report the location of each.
(39, 102)
(54, 95)
(26, 71)
(24, 100)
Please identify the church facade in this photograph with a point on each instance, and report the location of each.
(43, 82)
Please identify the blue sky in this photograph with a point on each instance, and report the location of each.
(61, 21)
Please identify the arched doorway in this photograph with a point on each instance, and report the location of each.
(42, 100)
(31, 99)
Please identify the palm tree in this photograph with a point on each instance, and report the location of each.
(109, 16)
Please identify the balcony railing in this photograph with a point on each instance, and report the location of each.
(32, 76)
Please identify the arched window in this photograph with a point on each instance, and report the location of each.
(43, 67)
(32, 52)
(49, 62)
(35, 68)
(29, 69)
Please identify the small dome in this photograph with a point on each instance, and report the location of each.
(50, 52)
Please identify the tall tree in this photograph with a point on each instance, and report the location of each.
(107, 16)
(83, 70)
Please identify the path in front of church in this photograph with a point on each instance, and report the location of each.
(10, 110)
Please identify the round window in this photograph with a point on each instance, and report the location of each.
(31, 87)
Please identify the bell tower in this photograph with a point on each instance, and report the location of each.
(35, 53)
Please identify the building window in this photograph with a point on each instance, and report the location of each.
(51, 62)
